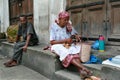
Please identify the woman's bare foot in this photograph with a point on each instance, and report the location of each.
(92, 78)
(85, 74)
(87, 71)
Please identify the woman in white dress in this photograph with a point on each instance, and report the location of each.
(60, 34)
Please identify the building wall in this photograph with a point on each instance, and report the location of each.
(1, 14)
(55, 7)
(41, 19)
(45, 12)
(4, 15)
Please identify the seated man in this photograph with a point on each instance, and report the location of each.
(29, 38)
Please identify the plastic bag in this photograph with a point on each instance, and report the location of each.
(94, 60)
(95, 45)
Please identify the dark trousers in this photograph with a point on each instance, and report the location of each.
(18, 51)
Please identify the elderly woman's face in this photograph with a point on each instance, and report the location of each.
(63, 21)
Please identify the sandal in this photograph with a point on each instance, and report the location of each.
(8, 62)
(84, 73)
(14, 63)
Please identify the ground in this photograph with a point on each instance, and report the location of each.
(18, 73)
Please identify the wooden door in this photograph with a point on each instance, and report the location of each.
(92, 18)
(113, 20)
(19, 7)
(95, 19)
(76, 8)
(88, 17)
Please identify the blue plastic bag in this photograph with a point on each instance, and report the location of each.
(95, 45)
(94, 60)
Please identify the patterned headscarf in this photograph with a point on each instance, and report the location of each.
(63, 14)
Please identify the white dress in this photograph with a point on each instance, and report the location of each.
(58, 33)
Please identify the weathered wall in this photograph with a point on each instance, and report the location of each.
(55, 7)
(41, 18)
(45, 12)
(1, 14)
(4, 15)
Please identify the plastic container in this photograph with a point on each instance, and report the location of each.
(101, 43)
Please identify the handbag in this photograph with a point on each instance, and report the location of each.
(85, 51)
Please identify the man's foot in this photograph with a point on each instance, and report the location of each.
(8, 62)
(13, 63)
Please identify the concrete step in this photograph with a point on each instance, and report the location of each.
(105, 72)
(18, 72)
(66, 75)
(111, 73)
(71, 72)
(48, 64)
(109, 52)
(36, 58)
(95, 68)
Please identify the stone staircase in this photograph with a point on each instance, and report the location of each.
(48, 64)
(18, 72)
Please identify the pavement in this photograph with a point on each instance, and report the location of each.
(18, 72)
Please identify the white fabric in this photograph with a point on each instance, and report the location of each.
(60, 50)
(58, 33)
(107, 62)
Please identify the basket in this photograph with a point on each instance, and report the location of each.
(11, 33)
(85, 52)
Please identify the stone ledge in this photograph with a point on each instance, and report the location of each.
(42, 61)
(110, 72)
(2, 40)
(66, 75)
(48, 64)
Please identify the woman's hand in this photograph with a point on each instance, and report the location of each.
(78, 37)
(69, 41)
